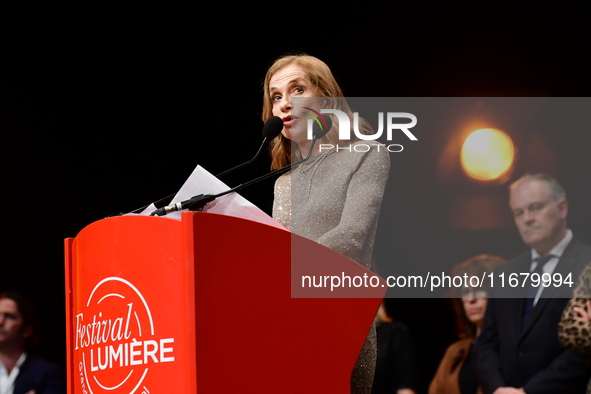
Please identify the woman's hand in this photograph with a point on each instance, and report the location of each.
(584, 313)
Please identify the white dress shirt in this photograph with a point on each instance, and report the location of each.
(556, 252)
(7, 379)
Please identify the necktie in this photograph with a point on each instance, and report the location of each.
(531, 289)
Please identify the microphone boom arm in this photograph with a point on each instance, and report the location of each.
(196, 203)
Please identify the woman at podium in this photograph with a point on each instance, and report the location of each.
(334, 197)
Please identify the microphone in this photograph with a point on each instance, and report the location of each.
(271, 129)
(197, 203)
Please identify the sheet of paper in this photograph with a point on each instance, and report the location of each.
(232, 204)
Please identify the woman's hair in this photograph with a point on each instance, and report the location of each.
(479, 266)
(321, 77)
(28, 312)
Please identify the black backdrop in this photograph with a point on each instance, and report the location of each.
(103, 116)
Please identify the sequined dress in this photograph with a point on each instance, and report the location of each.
(334, 199)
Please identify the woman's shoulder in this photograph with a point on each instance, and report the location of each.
(368, 159)
(284, 180)
(459, 348)
(462, 343)
(586, 273)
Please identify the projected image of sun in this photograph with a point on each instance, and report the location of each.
(487, 154)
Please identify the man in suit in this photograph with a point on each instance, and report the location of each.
(20, 372)
(518, 349)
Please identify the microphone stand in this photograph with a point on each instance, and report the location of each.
(271, 129)
(197, 203)
(168, 198)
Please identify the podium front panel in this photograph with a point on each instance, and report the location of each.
(131, 318)
(204, 305)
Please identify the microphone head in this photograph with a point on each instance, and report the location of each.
(320, 131)
(272, 127)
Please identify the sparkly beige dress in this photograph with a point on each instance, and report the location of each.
(334, 199)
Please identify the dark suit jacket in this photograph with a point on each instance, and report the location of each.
(396, 364)
(531, 357)
(39, 375)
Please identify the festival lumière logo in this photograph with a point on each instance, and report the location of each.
(115, 335)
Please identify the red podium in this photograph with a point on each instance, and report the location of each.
(208, 304)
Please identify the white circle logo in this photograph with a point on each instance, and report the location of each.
(116, 338)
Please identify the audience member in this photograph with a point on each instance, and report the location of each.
(518, 349)
(396, 366)
(456, 373)
(20, 371)
(574, 330)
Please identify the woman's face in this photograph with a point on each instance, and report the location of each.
(474, 302)
(289, 82)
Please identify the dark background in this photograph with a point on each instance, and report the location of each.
(103, 115)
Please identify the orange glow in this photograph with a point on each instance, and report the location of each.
(487, 154)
